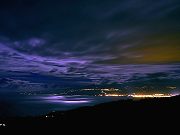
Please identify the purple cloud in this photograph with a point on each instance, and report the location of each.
(75, 66)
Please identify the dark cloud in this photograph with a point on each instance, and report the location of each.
(90, 40)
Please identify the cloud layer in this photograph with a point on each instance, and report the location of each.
(90, 42)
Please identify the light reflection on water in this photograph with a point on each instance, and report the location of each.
(67, 99)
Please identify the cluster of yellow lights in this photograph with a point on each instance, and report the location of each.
(104, 89)
(150, 96)
(141, 95)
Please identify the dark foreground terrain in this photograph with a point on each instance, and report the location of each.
(146, 113)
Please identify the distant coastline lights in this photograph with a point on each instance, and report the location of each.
(140, 95)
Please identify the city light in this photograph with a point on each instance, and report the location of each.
(159, 95)
(151, 96)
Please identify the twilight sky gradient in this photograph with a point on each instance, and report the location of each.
(53, 44)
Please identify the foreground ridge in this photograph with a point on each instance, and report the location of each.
(156, 110)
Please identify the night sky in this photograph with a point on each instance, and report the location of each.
(54, 45)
